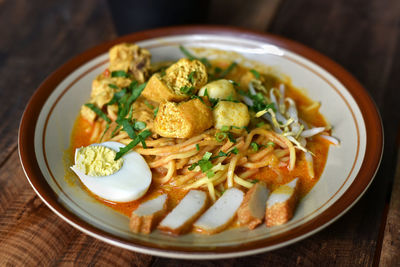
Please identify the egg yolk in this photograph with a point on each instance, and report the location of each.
(97, 161)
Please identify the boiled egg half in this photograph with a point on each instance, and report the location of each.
(123, 180)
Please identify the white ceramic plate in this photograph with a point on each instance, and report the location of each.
(48, 120)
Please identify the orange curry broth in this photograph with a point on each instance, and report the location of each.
(83, 130)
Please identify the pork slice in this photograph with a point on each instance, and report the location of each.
(219, 215)
(148, 215)
(180, 219)
(282, 203)
(252, 210)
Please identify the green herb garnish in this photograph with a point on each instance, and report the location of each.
(260, 124)
(191, 77)
(187, 90)
(254, 181)
(139, 125)
(270, 143)
(228, 69)
(150, 106)
(221, 136)
(98, 111)
(254, 146)
(259, 102)
(205, 163)
(255, 73)
(234, 83)
(113, 86)
(139, 138)
(213, 101)
(192, 57)
(197, 147)
(197, 97)
(155, 112)
(119, 73)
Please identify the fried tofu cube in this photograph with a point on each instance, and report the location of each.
(131, 59)
(181, 79)
(148, 215)
(227, 113)
(219, 89)
(282, 203)
(184, 119)
(252, 210)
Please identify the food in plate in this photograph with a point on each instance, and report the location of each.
(282, 203)
(184, 214)
(112, 179)
(221, 213)
(148, 214)
(203, 143)
(252, 210)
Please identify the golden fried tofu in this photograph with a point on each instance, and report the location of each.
(148, 215)
(227, 113)
(131, 59)
(252, 210)
(282, 203)
(181, 79)
(102, 93)
(184, 119)
(219, 89)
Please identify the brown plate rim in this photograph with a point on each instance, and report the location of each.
(370, 164)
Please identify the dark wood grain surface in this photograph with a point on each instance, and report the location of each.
(38, 36)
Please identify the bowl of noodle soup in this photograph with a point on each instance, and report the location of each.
(345, 171)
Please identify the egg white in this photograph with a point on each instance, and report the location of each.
(129, 183)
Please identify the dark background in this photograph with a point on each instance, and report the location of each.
(36, 37)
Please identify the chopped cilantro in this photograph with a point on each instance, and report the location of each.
(128, 128)
(260, 124)
(155, 112)
(207, 155)
(254, 146)
(231, 138)
(255, 73)
(259, 102)
(197, 97)
(228, 70)
(98, 111)
(119, 73)
(139, 138)
(188, 90)
(192, 57)
(191, 77)
(225, 128)
(113, 86)
(205, 163)
(270, 143)
(150, 106)
(234, 83)
(117, 96)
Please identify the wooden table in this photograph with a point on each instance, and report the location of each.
(38, 36)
